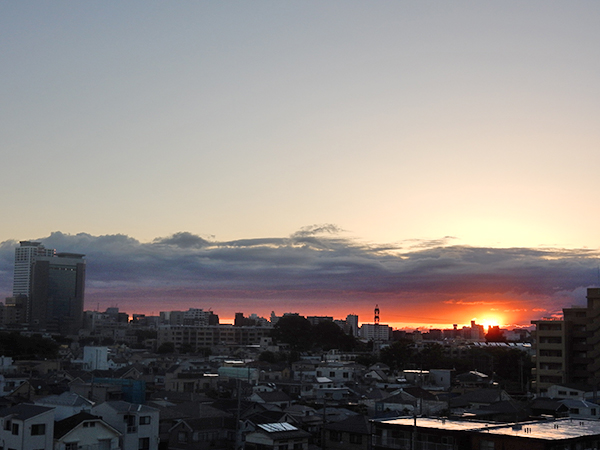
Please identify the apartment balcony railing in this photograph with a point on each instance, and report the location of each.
(405, 444)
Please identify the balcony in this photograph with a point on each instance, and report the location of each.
(389, 442)
(405, 444)
(550, 346)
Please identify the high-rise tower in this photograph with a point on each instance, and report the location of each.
(57, 288)
(25, 255)
(51, 285)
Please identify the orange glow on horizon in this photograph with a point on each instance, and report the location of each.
(399, 311)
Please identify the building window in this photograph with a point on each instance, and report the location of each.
(335, 436)
(145, 420)
(144, 443)
(15, 428)
(7, 425)
(38, 429)
(182, 436)
(89, 424)
(355, 438)
(486, 445)
(71, 446)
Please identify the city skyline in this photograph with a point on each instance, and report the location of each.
(434, 158)
(320, 271)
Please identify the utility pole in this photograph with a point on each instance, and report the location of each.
(323, 434)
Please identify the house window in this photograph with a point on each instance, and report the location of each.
(182, 436)
(335, 436)
(38, 429)
(71, 446)
(89, 424)
(355, 438)
(144, 443)
(7, 425)
(486, 445)
(332, 374)
(145, 420)
(15, 428)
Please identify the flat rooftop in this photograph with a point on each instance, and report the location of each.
(550, 430)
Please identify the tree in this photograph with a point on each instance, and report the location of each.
(295, 331)
(27, 347)
(167, 347)
(398, 355)
(328, 335)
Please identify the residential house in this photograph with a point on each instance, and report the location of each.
(278, 398)
(277, 436)
(352, 433)
(582, 409)
(411, 400)
(66, 404)
(571, 391)
(85, 431)
(202, 433)
(27, 427)
(138, 424)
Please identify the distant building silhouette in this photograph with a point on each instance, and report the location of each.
(49, 288)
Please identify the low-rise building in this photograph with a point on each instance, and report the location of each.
(277, 436)
(138, 424)
(444, 434)
(26, 427)
(85, 431)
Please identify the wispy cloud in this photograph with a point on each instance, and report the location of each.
(320, 263)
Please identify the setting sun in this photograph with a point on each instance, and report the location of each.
(489, 322)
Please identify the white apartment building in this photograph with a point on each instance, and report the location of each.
(375, 332)
(25, 255)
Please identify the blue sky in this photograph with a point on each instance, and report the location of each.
(465, 123)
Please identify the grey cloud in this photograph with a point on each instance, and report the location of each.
(316, 259)
(183, 240)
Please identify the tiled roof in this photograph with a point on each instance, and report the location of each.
(24, 411)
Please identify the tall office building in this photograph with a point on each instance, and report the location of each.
(57, 288)
(25, 254)
(52, 287)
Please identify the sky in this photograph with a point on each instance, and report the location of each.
(434, 158)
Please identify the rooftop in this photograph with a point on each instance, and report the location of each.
(549, 430)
